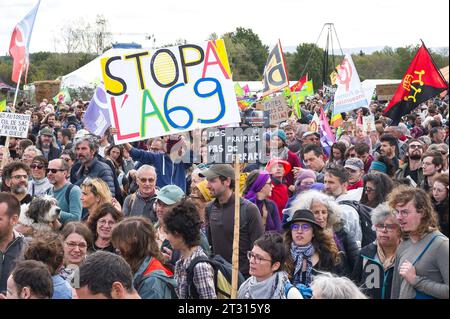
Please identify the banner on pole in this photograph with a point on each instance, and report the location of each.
(14, 124)
(170, 90)
(278, 109)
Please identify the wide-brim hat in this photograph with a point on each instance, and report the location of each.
(302, 215)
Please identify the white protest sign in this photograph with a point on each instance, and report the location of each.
(369, 123)
(169, 90)
(14, 124)
(279, 111)
(349, 94)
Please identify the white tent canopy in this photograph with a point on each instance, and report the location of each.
(90, 74)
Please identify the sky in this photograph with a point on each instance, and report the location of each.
(359, 23)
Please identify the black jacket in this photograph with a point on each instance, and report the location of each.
(348, 245)
(442, 211)
(9, 258)
(97, 169)
(370, 276)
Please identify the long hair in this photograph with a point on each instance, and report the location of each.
(402, 195)
(102, 211)
(443, 179)
(99, 188)
(135, 237)
(323, 244)
(383, 185)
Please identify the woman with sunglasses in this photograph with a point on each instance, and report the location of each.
(77, 238)
(377, 187)
(94, 193)
(258, 189)
(374, 269)
(310, 249)
(268, 279)
(39, 184)
(101, 223)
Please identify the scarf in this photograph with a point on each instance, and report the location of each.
(271, 288)
(299, 253)
(387, 262)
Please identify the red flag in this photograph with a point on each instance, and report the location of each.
(20, 42)
(298, 86)
(421, 82)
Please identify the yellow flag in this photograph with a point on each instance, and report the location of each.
(2, 105)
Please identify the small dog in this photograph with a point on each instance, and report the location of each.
(40, 213)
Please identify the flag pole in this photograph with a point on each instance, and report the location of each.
(6, 152)
(235, 258)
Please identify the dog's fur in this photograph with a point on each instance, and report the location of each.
(40, 213)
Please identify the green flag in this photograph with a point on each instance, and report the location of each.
(63, 96)
(238, 90)
(2, 105)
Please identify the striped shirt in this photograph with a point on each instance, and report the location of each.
(203, 277)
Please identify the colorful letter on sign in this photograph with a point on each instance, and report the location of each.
(169, 90)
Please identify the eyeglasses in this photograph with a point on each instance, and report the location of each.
(414, 146)
(55, 170)
(403, 213)
(66, 159)
(145, 180)
(38, 166)
(303, 227)
(388, 227)
(17, 177)
(103, 222)
(72, 245)
(369, 190)
(257, 258)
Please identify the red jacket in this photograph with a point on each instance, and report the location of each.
(280, 195)
(295, 162)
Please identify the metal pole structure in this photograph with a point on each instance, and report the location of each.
(235, 260)
(6, 152)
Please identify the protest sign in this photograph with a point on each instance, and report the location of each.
(169, 90)
(14, 125)
(369, 123)
(275, 76)
(256, 118)
(349, 94)
(224, 145)
(278, 109)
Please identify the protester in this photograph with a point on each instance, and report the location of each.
(268, 279)
(337, 153)
(30, 279)
(258, 189)
(15, 179)
(135, 240)
(278, 169)
(374, 269)
(12, 243)
(314, 159)
(281, 151)
(69, 157)
(220, 216)
(440, 199)
(377, 187)
(94, 193)
(101, 224)
(327, 286)
(389, 148)
(142, 202)
(363, 153)
(77, 238)
(355, 169)
(116, 281)
(39, 184)
(182, 226)
(422, 258)
(48, 248)
(47, 144)
(310, 249)
(432, 165)
(201, 196)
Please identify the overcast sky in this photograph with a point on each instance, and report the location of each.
(359, 23)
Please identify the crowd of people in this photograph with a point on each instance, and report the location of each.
(82, 217)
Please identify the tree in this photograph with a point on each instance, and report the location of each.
(241, 64)
(102, 37)
(297, 63)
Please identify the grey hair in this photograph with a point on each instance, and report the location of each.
(88, 138)
(306, 199)
(146, 167)
(381, 213)
(328, 286)
(33, 148)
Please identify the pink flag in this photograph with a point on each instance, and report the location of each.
(246, 89)
(326, 135)
(20, 42)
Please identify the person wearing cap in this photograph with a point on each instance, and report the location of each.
(355, 169)
(167, 198)
(412, 168)
(278, 169)
(282, 151)
(170, 167)
(310, 249)
(220, 216)
(47, 144)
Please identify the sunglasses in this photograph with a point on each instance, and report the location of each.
(38, 166)
(55, 170)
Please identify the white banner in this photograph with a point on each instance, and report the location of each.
(349, 94)
(14, 124)
(170, 90)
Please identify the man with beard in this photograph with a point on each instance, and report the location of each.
(47, 145)
(91, 166)
(413, 166)
(16, 175)
(11, 242)
(388, 148)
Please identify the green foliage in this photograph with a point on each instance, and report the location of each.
(297, 67)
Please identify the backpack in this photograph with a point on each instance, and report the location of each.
(222, 276)
(364, 212)
(66, 194)
(158, 270)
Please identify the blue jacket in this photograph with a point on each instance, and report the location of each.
(168, 172)
(97, 169)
